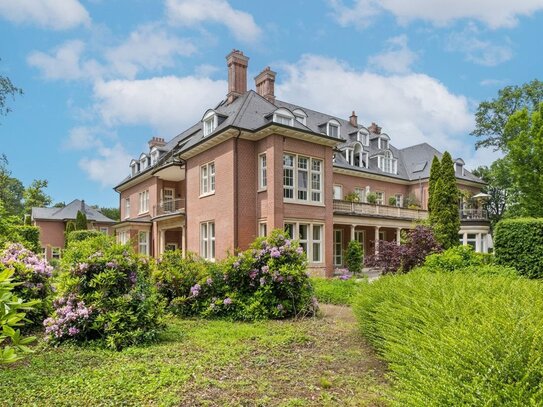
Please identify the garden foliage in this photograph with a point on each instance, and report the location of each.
(269, 280)
(393, 258)
(519, 243)
(354, 257)
(338, 291)
(105, 294)
(33, 275)
(80, 235)
(81, 222)
(452, 339)
(12, 316)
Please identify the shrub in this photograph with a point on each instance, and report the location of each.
(453, 339)
(335, 290)
(81, 222)
(393, 257)
(105, 295)
(354, 257)
(80, 235)
(30, 236)
(518, 243)
(371, 198)
(12, 315)
(70, 227)
(392, 200)
(33, 275)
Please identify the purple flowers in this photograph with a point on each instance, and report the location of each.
(70, 316)
(195, 290)
(275, 253)
(227, 301)
(299, 250)
(209, 281)
(16, 255)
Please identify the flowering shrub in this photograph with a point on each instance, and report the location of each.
(105, 295)
(394, 258)
(34, 275)
(269, 280)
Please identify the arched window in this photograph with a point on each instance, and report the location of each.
(389, 163)
(210, 122)
(333, 128)
(300, 116)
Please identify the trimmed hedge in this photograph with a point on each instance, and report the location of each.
(80, 235)
(455, 339)
(519, 243)
(335, 290)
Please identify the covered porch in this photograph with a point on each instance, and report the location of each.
(170, 234)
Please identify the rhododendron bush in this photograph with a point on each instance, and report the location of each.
(268, 280)
(105, 294)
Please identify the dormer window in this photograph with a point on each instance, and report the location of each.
(300, 116)
(333, 128)
(459, 166)
(143, 162)
(154, 156)
(360, 157)
(134, 167)
(387, 163)
(283, 116)
(210, 122)
(382, 142)
(364, 137)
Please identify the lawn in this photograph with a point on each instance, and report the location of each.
(315, 361)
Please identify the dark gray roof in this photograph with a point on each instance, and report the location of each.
(69, 212)
(251, 111)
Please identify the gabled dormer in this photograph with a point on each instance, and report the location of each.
(134, 167)
(386, 162)
(333, 128)
(211, 121)
(363, 136)
(383, 141)
(144, 161)
(459, 167)
(283, 116)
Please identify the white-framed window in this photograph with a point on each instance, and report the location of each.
(388, 163)
(207, 179)
(143, 243)
(210, 122)
(399, 200)
(332, 129)
(126, 208)
(104, 230)
(302, 178)
(338, 192)
(300, 116)
(338, 247)
(380, 198)
(279, 118)
(310, 236)
(364, 137)
(262, 171)
(262, 229)
(382, 235)
(382, 143)
(144, 201)
(56, 252)
(143, 162)
(168, 196)
(207, 240)
(123, 237)
(360, 236)
(361, 192)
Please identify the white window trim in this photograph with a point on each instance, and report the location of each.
(383, 197)
(212, 118)
(334, 191)
(144, 244)
(207, 242)
(309, 241)
(262, 229)
(277, 117)
(143, 202)
(334, 123)
(209, 176)
(310, 172)
(399, 202)
(126, 208)
(56, 253)
(300, 116)
(335, 243)
(262, 172)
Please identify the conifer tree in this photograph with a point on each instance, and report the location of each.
(434, 176)
(81, 221)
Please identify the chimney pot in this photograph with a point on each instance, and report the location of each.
(353, 119)
(237, 74)
(265, 84)
(374, 128)
(156, 142)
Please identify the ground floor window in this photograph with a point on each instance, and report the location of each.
(170, 247)
(338, 247)
(207, 240)
(310, 236)
(143, 243)
(104, 230)
(360, 236)
(262, 229)
(56, 252)
(382, 235)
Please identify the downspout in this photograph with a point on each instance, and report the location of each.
(236, 189)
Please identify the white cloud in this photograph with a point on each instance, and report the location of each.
(167, 104)
(411, 108)
(481, 157)
(197, 12)
(55, 14)
(476, 50)
(396, 58)
(149, 48)
(65, 62)
(493, 82)
(493, 13)
(81, 138)
(109, 167)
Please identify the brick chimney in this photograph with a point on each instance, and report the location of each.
(353, 119)
(265, 84)
(156, 142)
(237, 74)
(374, 128)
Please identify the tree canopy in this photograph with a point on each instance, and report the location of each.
(34, 195)
(7, 89)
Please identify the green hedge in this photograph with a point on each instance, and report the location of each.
(335, 291)
(80, 235)
(455, 339)
(519, 243)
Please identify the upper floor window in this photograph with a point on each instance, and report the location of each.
(388, 163)
(262, 171)
(364, 137)
(144, 201)
(332, 128)
(126, 208)
(338, 192)
(302, 178)
(399, 200)
(154, 156)
(382, 142)
(210, 122)
(143, 162)
(207, 178)
(134, 166)
(380, 198)
(300, 116)
(283, 116)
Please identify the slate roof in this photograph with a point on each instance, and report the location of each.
(69, 212)
(250, 111)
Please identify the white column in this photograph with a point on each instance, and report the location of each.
(398, 235)
(376, 242)
(184, 241)
(465, 239)
(352, 231)
(162, 241)
(478, 247)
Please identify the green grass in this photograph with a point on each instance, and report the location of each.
(315, 361)
(335, 291)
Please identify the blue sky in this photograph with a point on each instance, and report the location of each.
(102, 77)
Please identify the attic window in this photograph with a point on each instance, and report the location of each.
(300, 116)
(382, 143)
(210, 122)
(364, 137)
(283, 116)
(332, 128)
(154, 156)
(387, 163)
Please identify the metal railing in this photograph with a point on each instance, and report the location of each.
(169, 206)
(473, 214)
(359, 208)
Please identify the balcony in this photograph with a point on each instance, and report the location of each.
(473, 214)
(169, 207)
(366, 209)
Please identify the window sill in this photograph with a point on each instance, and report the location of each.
(293, 201)
(206, 194)
(143, 213)
(262, 189)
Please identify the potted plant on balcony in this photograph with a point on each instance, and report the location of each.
(392, 201)
(371, 198)
(352, 197)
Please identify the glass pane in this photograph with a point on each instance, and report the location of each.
(302, 232)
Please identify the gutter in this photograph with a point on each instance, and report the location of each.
(236, 139)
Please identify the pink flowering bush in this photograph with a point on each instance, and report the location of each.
(34, 276)
(106, 295)
(269, 280)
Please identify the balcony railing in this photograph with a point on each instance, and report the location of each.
(359, 208)
(473, 214)
(169, 206)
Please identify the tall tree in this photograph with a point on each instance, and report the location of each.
(491, 116)
(444, 217)
(34, 195)
(434, 176)
(11, 189)
(111, 213)
(525, 159)
(81, 221)
(7, 89)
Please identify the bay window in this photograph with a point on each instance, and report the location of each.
(302, 178)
